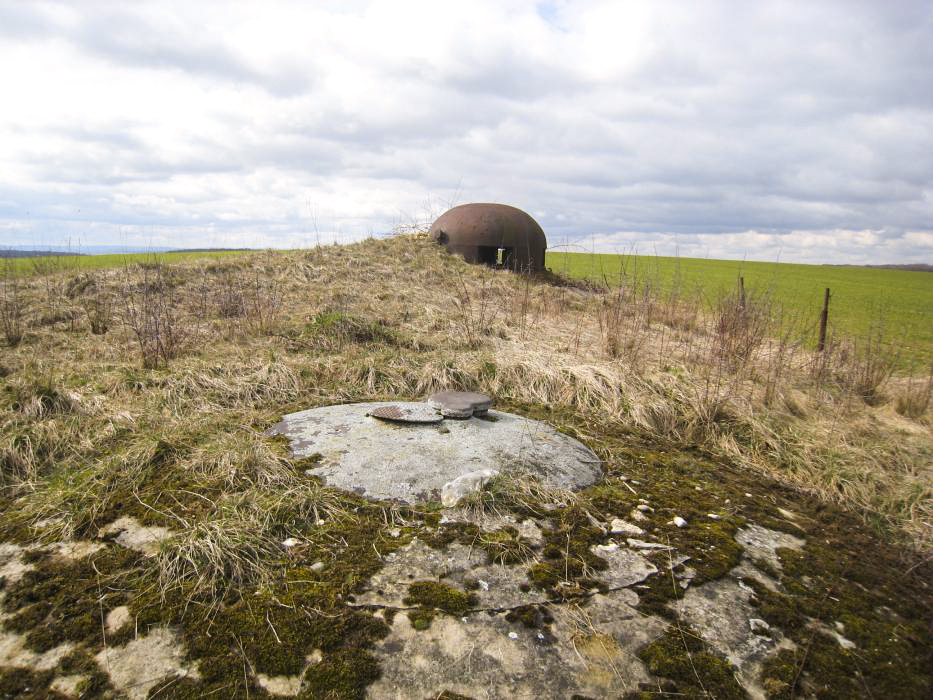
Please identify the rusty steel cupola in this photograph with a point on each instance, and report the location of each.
(493, 234)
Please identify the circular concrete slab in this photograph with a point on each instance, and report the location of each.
(411, 462)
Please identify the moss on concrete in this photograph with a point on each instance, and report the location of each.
(680, 656)
(439, 596)
(64, 601)
(25, 684)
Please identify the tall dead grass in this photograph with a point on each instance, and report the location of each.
(222, 349)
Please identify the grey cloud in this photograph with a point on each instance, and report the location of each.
(772, 116)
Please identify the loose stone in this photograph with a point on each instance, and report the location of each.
(621, 527)
(758, 625)
(455, 490)
(679, 522)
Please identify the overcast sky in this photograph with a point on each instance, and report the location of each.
(792, 131)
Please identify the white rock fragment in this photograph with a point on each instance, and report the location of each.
(280, 685)
(290, 542)
(483, 584)
(638, 515)
(713, 516)
(133, 535)
(513, 635)
(641, 544)
(77, 550)
(758, 625)
(454, 490)
(644, 508)
(621, 527)
(845, 643)
(679, 522)
(143, 662)
(611, 547)
(317, 566)
(67, 685)
(117, 617)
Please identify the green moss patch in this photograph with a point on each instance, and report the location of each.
(531, 616)
(272, 630)
(567, 554)
(845, 573)
(680, 656)
(65, 601)
(24, 684)
(859, 590)
(439, 596)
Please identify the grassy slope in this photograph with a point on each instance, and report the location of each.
(88, 435)
(898, 303)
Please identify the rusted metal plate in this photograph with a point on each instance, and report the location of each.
(409, 413)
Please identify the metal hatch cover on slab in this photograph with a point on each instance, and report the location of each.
(411, 462)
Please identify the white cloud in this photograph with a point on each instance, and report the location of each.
(729, 129)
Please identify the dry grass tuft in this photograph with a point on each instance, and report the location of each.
(516, 491)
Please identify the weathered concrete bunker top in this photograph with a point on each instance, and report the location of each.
(493, 234)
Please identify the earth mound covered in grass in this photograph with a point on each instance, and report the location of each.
(157, 542)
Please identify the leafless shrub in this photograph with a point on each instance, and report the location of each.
(12, 304)
(475, 309)
(152, 312)
(914, 401)
(262, 299)
(871, 366)
(49, 270)
(625, 317)
(228, 297)
(859, 366)
(98, 306)
(743, 322)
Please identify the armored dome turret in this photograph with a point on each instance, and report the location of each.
(493, 234)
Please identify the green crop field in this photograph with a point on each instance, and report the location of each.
(866, 302)
(99, 262)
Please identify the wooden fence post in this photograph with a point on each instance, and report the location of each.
(742, 293)
(824, 317)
